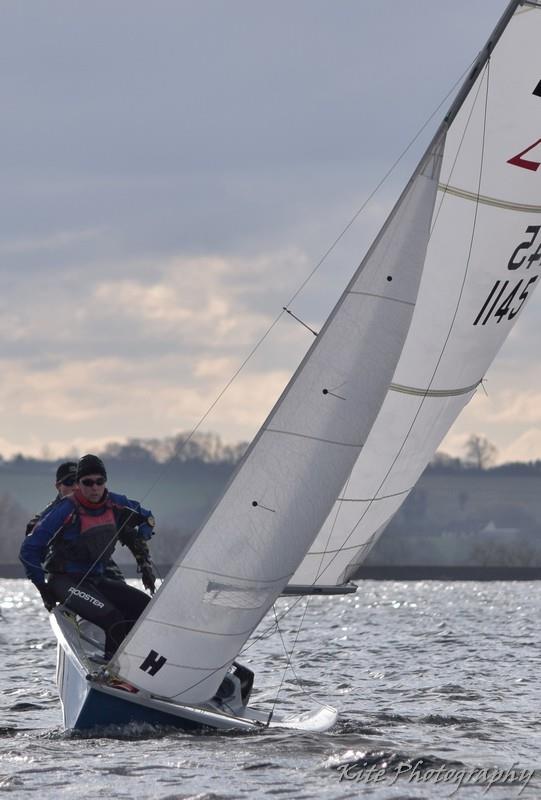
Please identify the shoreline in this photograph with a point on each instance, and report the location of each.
(378, 573)
(447, 573)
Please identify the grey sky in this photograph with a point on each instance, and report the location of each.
(172, 170)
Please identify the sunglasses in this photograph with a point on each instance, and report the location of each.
(68, 481)
(89, 482)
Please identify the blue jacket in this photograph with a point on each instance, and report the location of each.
(36, 518)
(63, 520)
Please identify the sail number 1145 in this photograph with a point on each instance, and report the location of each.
(506, 298)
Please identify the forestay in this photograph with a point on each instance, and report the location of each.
(257, 535)
(483, 263)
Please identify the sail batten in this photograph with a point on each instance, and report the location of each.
(371, 499)
(384, 297)
(490, 201)
(201, 631)
(233, 577)
(428, 392)
(357, 445)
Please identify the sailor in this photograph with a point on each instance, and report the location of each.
(66, 475)
(66, 553)
(64, 484)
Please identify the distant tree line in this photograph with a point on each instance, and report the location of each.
(187, 474)
(206, 448)
(480, 455)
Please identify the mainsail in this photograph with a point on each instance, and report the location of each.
(285, 487)
(482, 265)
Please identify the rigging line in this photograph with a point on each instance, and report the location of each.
(292, 668)
(309, 597)
(285, 308)
(293, 297)
(216, 400)
(228, 663)
(63, 604)
(285, 668)
(289, 665)
(290, 656)
(366, 545)
(447, 187)
(268, 632)
(339, 506)
(340, 501)
(380, 184)
(486, 75)
(291, 314)
(211, 672)
(59, 533)
(275, 627)
(307, 280)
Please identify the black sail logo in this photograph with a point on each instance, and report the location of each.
(153, 663)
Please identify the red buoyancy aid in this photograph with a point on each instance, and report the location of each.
(96, 538)
(90, 521)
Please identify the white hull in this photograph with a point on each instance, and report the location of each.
(92, 699)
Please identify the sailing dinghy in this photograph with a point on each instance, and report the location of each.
(405, 348)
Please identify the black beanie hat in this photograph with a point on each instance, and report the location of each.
(90, 465)
(67, 469)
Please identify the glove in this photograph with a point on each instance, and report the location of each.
(146, 529)
(147, 576)
(47, 595)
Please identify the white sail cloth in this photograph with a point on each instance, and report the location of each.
(483, 262)
(257, 535)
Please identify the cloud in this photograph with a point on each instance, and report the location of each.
(526, 447)
(506, 417)
(86, 404)
(54, 241)
(147, 355)
(240, 412)
(187, 299)
(171, 304)
(170, 179)
(511, 406)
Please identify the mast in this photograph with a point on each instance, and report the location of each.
(482, 59)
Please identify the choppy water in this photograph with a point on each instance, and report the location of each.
(442, 673)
